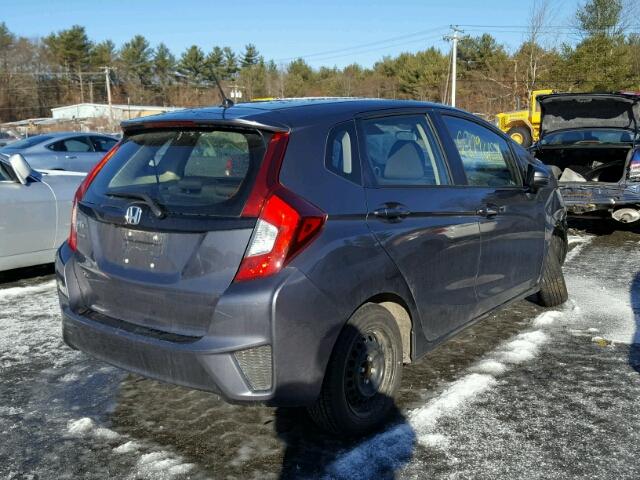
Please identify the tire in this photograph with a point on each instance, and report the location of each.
(560, 247)
(362, 376)
(520, 135)
(553, 290)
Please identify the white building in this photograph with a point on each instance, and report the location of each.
(99, 110)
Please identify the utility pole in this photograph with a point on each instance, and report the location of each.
(454, 37)
(81, 86)
(108, 83)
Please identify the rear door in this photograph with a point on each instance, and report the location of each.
(512, 221)
(167, 272)
(75, 154)
(427, 225)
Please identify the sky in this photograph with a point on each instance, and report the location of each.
(324, 33)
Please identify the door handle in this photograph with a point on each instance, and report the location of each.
(70, 156)
(392, 211)
(488, 211)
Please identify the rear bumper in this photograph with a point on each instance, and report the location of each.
(269, 341)
(581, 199)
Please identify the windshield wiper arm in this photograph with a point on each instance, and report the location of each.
(153, 205)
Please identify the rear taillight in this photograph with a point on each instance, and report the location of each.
(82, 189)
(286, 223)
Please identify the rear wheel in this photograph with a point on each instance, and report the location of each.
(553, 290)
(363, 374)
(520, 135)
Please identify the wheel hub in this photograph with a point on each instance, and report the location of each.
(366, 369)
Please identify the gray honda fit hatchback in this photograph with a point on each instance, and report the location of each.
(298, 252)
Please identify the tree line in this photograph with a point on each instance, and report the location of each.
(67, 67)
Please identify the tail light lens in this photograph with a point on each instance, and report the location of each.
(73, 233)
(286, 223)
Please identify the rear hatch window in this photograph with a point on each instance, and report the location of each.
(186, 172)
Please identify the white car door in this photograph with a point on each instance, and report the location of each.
(28, 220)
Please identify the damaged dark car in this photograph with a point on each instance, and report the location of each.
(591, 144)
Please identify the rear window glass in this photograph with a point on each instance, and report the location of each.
(198, 172)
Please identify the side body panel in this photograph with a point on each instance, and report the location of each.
(28, 222)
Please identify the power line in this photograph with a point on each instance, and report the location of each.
(363, 45)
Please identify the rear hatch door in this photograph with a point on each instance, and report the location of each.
(575, 111)
(160, 231)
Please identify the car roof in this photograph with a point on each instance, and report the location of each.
(281, 113)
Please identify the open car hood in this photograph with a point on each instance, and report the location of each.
(588, 110)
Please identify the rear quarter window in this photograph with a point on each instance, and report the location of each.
(341, 154)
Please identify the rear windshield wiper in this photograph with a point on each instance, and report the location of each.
(153, 205)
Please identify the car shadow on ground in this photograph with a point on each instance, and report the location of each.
(20, 274)
(601, 226)
(634, 349)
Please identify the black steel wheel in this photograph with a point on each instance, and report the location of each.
(363, 374)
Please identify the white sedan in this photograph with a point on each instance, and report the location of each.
(35, 212)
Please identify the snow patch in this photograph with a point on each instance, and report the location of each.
(425, 418)
(105, 433)
(523, 348)
(10, 410)
(85, 426)
(6, 293)
(434, 440)
(547, 318)
(580, 242)
(69, 378)
(492, 367)
(81, 426)
(157, 465)
(127, 447)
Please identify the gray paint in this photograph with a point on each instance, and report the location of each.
(431, 263)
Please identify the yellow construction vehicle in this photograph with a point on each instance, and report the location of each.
(523, 126)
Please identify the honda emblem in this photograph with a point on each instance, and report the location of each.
(133, 215)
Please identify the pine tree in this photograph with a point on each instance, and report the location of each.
(230, 63)
(250, 56)
(135, 59)
(193, 63)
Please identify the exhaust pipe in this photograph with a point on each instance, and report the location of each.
(626, 215)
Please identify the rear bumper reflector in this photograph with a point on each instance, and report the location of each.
(255, 364)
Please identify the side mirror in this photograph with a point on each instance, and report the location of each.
(538, 178)
(20, 167)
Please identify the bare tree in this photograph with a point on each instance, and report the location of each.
(538, 23)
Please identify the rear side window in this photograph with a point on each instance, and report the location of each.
(342, 157)
(197, 172)
(75, 144)
(485, 155)
(102, 144)
(402, 150)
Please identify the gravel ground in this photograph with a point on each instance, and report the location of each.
(527, 393)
